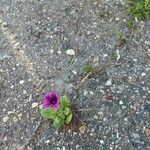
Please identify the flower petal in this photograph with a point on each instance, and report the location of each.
(56, 106)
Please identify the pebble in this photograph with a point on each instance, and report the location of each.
(121, 102)
(91, 92)
(85, 92)
(3, 57)
(41, 106)
(70, 52)
(147, 132)
(77, 146)
(123, 107)
(143, 74)
(58, 52)
(117, 19)
(24, 92)
(48, 141)
(95, 117)
(21, 81)
(12, 87)
(5, 119)
(15, 119)
(105, 55)
(34, 105)
(51, 51)
(20, 115)
(102, 91)
(147, 42)
(100, 114)
(74, 72)
(82, 129)
(101, 141)
(96, 59)
(109, 82)
(10, 112)
(63, 148)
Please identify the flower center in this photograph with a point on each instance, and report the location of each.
(54, 101)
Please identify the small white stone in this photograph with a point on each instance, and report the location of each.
(85, 92)
(63, 148)
(102, 91)
(20, 115)
(91, 92)
(77, 146)
(12, 87)
(147, 42)
(123, 107)
(105, 55)
(70, 52)
(40, 106)
(21, 81)
(135, 59)
(88, 32)
(105, 119)
(5, 119)
(109, 82)
(143, 74)
(24, 92)
(126, 119)
(121, 102)
(117, 19)
(74, 72)
(82, 129)
(95, 117)
(48, 141)
(15, 119)
(34, 105)
(10, 112)
(51, 51)
(96, 59)
(58, 52)
(101, 141)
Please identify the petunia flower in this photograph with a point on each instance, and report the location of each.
(52, 99)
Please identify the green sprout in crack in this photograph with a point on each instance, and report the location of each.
(121, 38)
(88, 68)
(116, 55)
(140, 9)
(130, 25)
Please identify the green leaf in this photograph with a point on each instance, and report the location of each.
(65, 102)
(58, 122)
(66, 111)
(147, 3)
(116, 55)
(139, 6)
(69, 118)
(48, 113)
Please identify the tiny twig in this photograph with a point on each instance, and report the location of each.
(79, 118)
(86, 77)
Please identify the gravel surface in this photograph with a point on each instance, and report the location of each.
(44, 45)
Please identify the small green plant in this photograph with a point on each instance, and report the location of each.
(88, 68)
(57, 109)
(140, 9)
(121, 38)
(116, 55)
(130, 25)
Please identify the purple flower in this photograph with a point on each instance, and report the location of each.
(52, 99)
